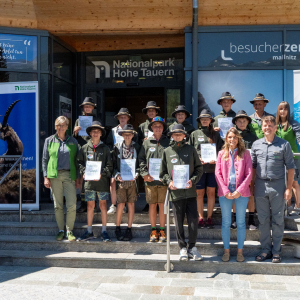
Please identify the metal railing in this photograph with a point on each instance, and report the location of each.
(17, 162)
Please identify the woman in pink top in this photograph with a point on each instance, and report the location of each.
(233, 174)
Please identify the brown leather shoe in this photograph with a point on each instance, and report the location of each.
(240, 257)
(226, 257)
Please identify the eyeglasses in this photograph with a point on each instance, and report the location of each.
(160, 119)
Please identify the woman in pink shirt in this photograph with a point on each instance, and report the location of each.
(233, 174)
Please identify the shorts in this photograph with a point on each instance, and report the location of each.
(297, 170)
(95, 196)
(155, 193)
(126, 192)
(207, 180)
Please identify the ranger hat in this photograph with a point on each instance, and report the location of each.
(241, 114)
(259, 96)
(178, 128)
(88, 101)
(123, 111)
(96, 125)
(180, 108)
(226, 95)
(206, 113)
(151, 104)
(160, 120)
(128, 128)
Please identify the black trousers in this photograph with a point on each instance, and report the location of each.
(181, 208)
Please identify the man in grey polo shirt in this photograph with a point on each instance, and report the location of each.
(270, 156)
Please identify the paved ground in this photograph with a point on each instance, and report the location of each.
(108, 284)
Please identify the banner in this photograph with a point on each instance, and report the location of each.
(19, 134)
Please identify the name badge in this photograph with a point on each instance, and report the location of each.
(174, 160)
(152, 149)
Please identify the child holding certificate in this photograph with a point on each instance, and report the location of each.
(126, 172)
(150, 160)
(181, 169)
(208, 143)
(96, 167)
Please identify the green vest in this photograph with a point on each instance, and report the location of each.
(53, 147)
(256, 129)
(289, 136)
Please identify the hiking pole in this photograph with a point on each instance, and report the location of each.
(168, 265)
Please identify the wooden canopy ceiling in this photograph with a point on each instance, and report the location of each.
(136, 24)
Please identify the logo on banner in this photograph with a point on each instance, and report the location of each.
(25, 87)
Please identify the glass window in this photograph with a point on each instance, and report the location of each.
(292, 49)
(173, 100)
(16, 76)
(63, 62)
(45, 53)
(18, 52)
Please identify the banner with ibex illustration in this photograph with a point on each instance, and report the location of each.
(19, 136)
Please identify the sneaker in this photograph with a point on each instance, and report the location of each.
(60, 236)
(125, 209)
(82, 208)
(194, 254)
(86, 236)
(71, 236)
(112, 210)
(119, 235)
(162, 236)
(183, 254)
(105, 236)
(201, 223)
(293, 211)
(209, 223)
(233, 225)
(154, 236)
(252, 227)
(127, 235)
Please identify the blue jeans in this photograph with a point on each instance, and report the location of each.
(226, 206)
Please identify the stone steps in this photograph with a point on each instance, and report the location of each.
(211, 264)
(138, 230)
(137, 246)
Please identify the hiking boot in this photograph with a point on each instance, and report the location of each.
(162, 236)
(194, 254)
(86, 236)
(127, 235)
(154, 236)
(233, 225)
(82, 208)
(119, 235)
(209, 223)
(105, 236)
(71, 236)
(201, 223)
(112, 210)
(183, 254)
(60, 236)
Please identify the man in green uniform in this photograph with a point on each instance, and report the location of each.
(259, 103)
(181, 114)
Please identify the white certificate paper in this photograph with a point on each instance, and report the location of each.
(154, 167)
(84, 123)
(128, 169)
(181, 174)
(93, 170)
(208, 152)
(225, 124)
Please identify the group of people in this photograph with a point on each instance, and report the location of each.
(251, 163)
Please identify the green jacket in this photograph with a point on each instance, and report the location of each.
(201, 136)
(117, 162)
(143, 131)
(248, 137)
(82, 140)
(181, 154)
(49, 160)
(189, 128)
(255, 125)
(152, 149)
(223, 114)
(101, 153)
(289, 136)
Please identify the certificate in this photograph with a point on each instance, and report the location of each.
(154, 167)
(225, 124)
(181, 176)
(208, 152)
(84, 123)
(93, 170)
(127, 169)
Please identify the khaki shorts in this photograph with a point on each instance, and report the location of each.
(155, 194)
(126, 192)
